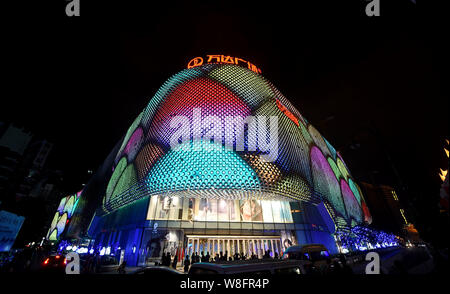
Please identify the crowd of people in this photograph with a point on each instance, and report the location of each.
(220, 257)
(166, 260)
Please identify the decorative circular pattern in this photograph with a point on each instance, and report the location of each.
(325, 182)
(134, 144)
(146, 158)
(120, 167)
(129, 133)
(127, 179)
(62, 216)
(319, 141)
(351, 204)
(342, 169)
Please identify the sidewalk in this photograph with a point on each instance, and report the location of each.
(128, 270)
(131, 269)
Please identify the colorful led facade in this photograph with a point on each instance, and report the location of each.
(208, 188)
(62, 216)
(308, 168)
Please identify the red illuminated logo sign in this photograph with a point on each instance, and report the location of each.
(289, 114)
(225, 59)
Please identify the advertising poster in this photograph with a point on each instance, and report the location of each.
(10, 225)
(201, 207)
(211, 213)
(223, 210)
(276, 209)
(251, 211)
(267, 211)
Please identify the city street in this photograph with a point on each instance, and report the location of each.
(401, 261)
(397, 260)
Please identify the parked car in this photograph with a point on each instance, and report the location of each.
(156, 270)
(355, 257)
(107, 264)
(317, 254)
(311, 252)
(54, 263)
(249, 267)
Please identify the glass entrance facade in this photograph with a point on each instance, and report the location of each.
(218, 210)
(248, 246)
(182, 226)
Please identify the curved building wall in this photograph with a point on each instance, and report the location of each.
(306, 166)
(195, 165)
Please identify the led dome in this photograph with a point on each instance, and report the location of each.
(306, 167)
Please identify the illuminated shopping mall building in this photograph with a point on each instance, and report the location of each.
(213, 186)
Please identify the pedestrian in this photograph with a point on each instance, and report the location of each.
(95, 263)
(88, 264)
(169, 259)
(163, 259)
(346, 269)
(187, 263)
(175, 261)
(122, 266)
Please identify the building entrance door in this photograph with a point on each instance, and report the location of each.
(230, 245)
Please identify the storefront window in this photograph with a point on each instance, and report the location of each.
(200, 209)
(234, 210)
(251, 211)
(175, 206)
(223, 210)
(185, 213)
(286, 209)
(276, 210)
(152, 207)
(267, 211)
(219, 210)
(158, 241)
(211, 212)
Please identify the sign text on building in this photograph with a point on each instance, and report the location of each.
(198, 61)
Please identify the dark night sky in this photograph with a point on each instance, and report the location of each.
(81, 82)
